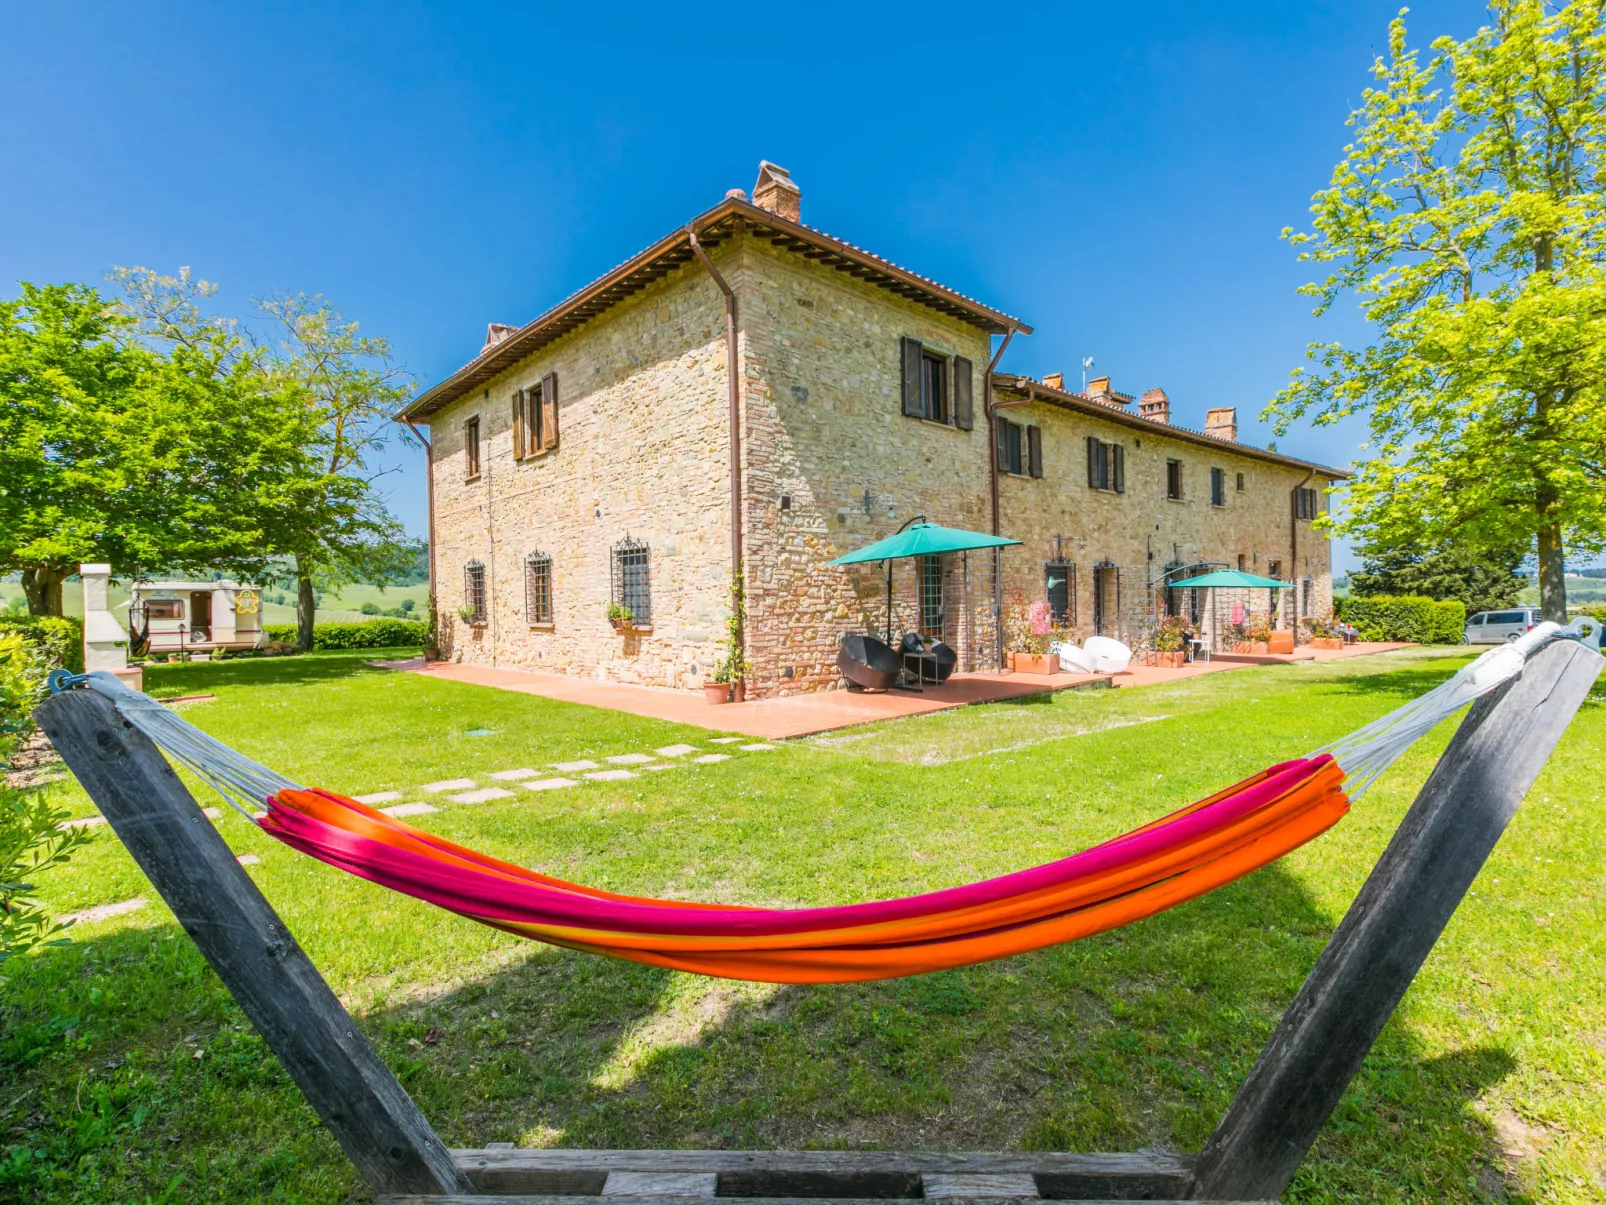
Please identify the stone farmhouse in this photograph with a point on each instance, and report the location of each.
(751, 392)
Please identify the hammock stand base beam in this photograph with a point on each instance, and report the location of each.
(1360, 977)
(270, 977)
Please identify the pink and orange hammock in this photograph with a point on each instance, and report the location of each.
(1168, 862)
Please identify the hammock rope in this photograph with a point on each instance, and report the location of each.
(1177, 858)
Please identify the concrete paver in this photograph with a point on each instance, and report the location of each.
(378, 797)
(514, 775)
(572, 767)
(549, 784)
(448, 784)
(610, 775)
(409, 809)
(484, 795)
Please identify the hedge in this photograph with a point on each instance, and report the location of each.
(58, 640)
(375, 634)
(1405, 617)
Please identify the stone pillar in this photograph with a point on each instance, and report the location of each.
(105, 642)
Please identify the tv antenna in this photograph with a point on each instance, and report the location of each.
(1087, 363)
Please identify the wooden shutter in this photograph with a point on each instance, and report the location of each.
(1001, 439)
(549, 411)
(964, 373)
(1118, 468)
(520, 448)
(1092, 463)
(911, 378)
(1034, 451)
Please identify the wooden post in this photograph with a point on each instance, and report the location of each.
(1392, 926)
(267, 973)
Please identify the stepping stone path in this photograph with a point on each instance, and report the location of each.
(469, 790)
(409, 809)
(481, 796)
(248, 859)
(83, 822)
(212, 813)
(104, 911)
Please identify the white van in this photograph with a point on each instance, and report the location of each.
(1497, 627)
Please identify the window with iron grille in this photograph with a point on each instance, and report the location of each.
(1059, 582)
(632, 583)
(474, 592)
(931, 596)
(1218, 487)
(538, 588)
(1307, 589)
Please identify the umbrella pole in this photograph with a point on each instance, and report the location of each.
(889, 601)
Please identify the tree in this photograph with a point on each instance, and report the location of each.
(1467, 219)
(111, 451)
(1482, 581)
(338, 529)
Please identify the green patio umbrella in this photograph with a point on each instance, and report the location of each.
(918, 538)
(1230, 579)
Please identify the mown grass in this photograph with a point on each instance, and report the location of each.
(126, 1072)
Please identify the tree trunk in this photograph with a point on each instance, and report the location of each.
(42, 588)
(1552, 574)
(306, 609)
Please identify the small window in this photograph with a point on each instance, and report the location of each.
(1240, 483)
(933, 388)
(1059, 584)
(1218, 487)
(1243, 562)
(1305, 503)
(1274, 570)
(474, 593)
(1106, 465)
(471, 447)
(1173, 480)
(526, 422)
(1011, 448)
(164, 608)
(632, 583)
(538, 588)
(1307, 593)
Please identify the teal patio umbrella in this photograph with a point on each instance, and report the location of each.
(1231, 579)
(918, 538)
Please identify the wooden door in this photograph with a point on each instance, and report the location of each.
(200, 615)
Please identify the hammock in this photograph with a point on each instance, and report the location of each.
(1165, 863)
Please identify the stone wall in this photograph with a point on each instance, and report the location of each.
(1142, 531)
(825, 428)
(642, 453)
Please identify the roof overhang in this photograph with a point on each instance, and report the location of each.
(1019, 388)
(721, 223)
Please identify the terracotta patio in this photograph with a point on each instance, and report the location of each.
(826, 711)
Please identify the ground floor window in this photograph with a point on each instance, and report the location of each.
(1307, 592)
(1106, 599)
(931, 608)
(1059, 582)
(474, 592)
(632, 582)
(538, 588)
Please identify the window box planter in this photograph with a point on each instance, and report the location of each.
(1326, 642)
(1171, 660)
(1281, 642)
(1034, 663)
(626, 627)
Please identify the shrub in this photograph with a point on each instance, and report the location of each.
(374, 634)
(57, 639)
(1404, 617)
(22, 681)
(369, 608)
(1596, 611)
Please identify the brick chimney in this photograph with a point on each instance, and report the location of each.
(1222, 423)
(1055, 380)
(776, 192)
(1097, 386)
(1154, 404)
(495, 333)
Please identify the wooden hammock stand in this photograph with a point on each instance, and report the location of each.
(1293, 1088)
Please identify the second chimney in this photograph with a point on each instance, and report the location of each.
(1222, 423)
(776, 192)
(1055, 380)
(1155, 405)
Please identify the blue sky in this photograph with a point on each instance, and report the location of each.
(1116, 177)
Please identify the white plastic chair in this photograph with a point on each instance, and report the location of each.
(1109, 656)
(1072, 659)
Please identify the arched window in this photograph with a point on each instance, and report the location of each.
(632, 584)
(474, 593)
(538, 588)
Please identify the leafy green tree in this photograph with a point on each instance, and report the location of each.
(113, 451)
(1483, 581)
(1467, 219)
(338, 529)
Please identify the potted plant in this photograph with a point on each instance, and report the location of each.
(1029, 631)
(619, 616)
(1169, 641)
(1323, 633)
(734, 667)
(1259, 631)
(470, 616)
(717, 689)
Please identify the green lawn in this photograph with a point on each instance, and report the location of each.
(126, 1073)
(343, 606)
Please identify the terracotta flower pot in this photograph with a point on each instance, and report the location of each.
(717, 692)
(1035, 663)
(1281, 642)
(1326, 642)
(1259, 647)
(1171, 660)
